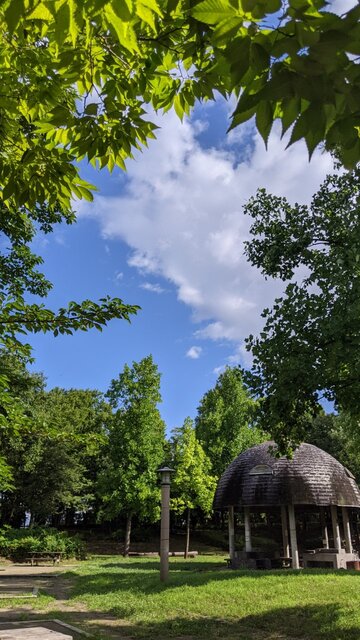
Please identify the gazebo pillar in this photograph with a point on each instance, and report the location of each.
(285, 532)
(248, 546)
(293, 539)
(335, 527)
(324, 529)
(347, 530)
(231, 533)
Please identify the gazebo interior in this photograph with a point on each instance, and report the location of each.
(314, 499)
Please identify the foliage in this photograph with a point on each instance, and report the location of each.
(77, 78)
(53, 457)
(310, 345)
(339, 436)
(224, 422)
(17, 544)
(193, 485)
(129, 479)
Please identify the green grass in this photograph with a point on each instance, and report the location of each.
(205, 600)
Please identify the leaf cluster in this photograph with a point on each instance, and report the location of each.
(78, 78)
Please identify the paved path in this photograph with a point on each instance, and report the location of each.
(32, 633)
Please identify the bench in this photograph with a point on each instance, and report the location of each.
(44, 556)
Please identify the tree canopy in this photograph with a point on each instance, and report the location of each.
(224, 422)
(78, 77)
(309, 347)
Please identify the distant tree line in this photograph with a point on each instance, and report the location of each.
(84, 457)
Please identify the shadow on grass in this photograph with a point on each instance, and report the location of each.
(310, 622)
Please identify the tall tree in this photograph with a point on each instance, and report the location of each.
(77, 78)
(224, 422)
(129, 482)
(310, 345)
(193, 485)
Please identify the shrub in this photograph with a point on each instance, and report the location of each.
(16, 544)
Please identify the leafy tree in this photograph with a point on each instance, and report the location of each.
(53, 459)
(193, 486)
(77, 78)
(76, 421)
(224, 422)
(129, 481)
(310, 345)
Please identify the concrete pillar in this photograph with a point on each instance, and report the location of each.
(324, 529)
(285, 532)
(293, 538)
(335, 527)
(347, 530)
(248, 546)
(231, 533)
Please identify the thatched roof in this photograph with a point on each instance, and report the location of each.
(256, 478)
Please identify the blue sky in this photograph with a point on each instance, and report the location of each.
(168, 235)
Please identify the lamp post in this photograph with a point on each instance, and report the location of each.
(165, 522)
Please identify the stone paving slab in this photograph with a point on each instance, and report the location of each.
(52, 628)
(33, 633)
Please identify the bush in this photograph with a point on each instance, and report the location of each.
(16, 544)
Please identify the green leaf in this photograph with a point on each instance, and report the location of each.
(13, 14)
(238, 55)
(290, 112)
(145, 14)
(40, 12)
(259, 57)
(226, 29)
(213, 11)
(264, 119)
(91, 109)
(123, 9)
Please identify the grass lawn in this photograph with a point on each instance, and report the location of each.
(205, 600)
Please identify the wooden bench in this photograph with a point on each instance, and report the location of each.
(44, 556)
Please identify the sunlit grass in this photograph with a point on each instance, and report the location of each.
(203, 599)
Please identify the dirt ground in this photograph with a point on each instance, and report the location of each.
(20, 580)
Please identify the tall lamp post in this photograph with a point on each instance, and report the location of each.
(165, 475)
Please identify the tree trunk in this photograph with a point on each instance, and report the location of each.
(127, 535)
(187, 541)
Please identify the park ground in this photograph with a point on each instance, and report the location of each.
(111, 597)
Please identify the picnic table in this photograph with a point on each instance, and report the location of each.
(42, 556)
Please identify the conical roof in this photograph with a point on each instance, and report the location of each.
(313, 477)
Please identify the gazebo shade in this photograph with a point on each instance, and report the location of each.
(257, 479)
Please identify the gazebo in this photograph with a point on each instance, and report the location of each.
(258, 480)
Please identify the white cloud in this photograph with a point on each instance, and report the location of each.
(154, 288)
(217, 370)
(194, 353)
(341, 6)
(182, 216)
